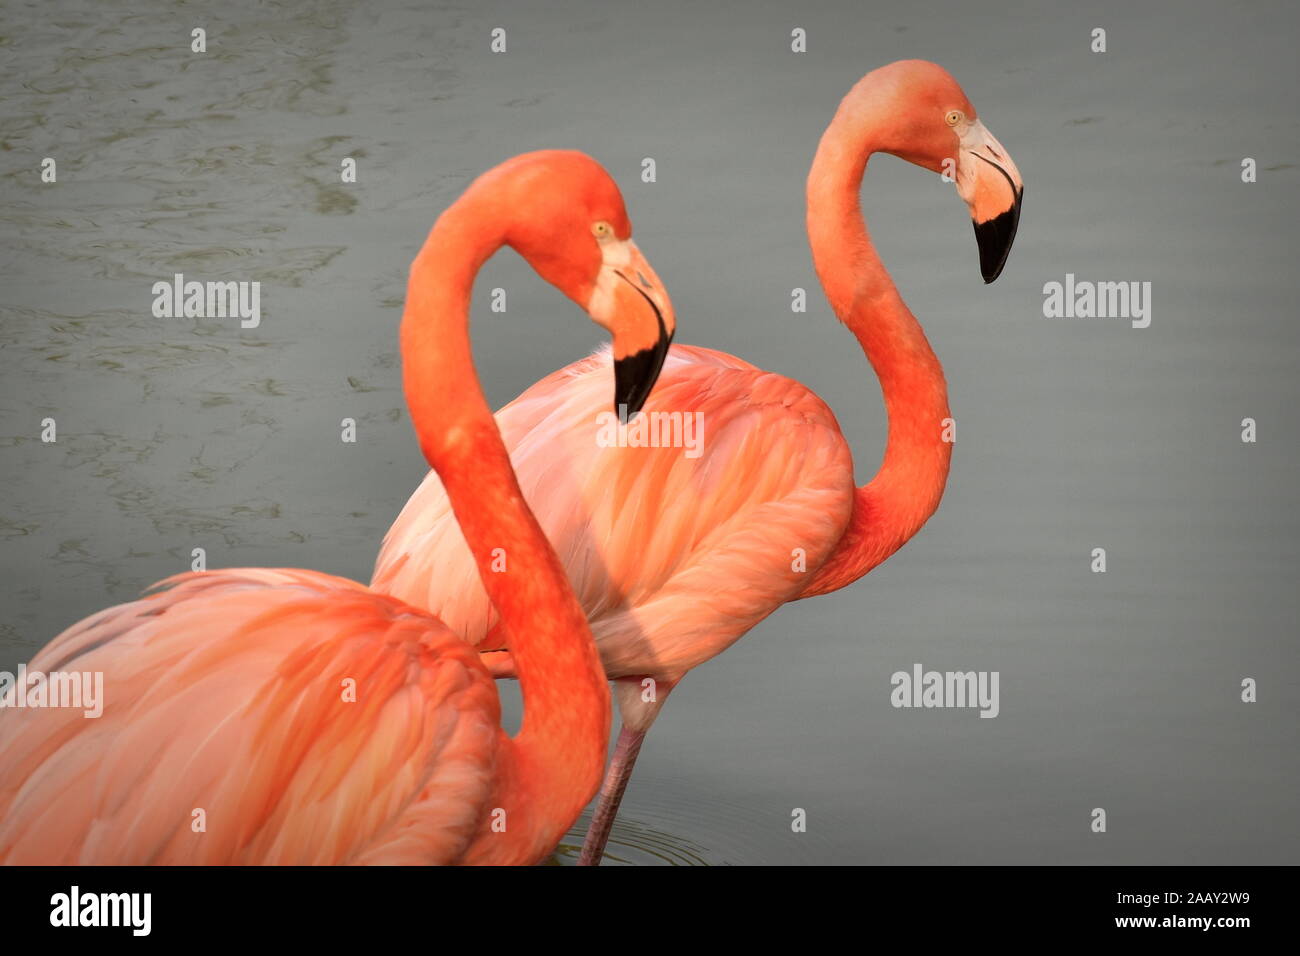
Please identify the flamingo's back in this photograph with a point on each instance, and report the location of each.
(672, 556)
(310, 720)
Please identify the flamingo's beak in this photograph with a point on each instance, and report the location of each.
(631, 303)
(991, 185)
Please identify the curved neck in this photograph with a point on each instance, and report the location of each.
(907, 488)
(549, 771)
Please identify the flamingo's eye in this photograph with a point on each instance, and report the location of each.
(602, 230)
(954, 117)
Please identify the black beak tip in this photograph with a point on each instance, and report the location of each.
(635, 376)
(626, 410)
(995, 238)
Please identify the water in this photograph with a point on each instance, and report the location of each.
(1118, 690)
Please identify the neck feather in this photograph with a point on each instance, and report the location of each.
(906, 490)
(551, 768)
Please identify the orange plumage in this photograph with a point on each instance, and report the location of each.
(674, 558)
(286, 716)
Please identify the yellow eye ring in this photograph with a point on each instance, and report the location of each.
(954, 117)
(602, 230)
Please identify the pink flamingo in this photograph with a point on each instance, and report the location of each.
(675, 557)
(286, 716)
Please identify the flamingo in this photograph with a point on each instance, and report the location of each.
(229, 734)
(675, 557)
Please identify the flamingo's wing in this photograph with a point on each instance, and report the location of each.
(253, 716)
(674, 552)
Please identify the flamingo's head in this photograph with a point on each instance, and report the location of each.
(924, 117)
(568, 220)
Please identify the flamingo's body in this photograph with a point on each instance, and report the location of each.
(400, 776)
(286, 716)
(674, 558)
(665, 587)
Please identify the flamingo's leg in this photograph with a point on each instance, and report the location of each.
(640, 699)
(611, 795)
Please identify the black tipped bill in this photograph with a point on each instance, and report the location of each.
(995, 237)
(635, 376)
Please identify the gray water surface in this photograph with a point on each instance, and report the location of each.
(1118, 690)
